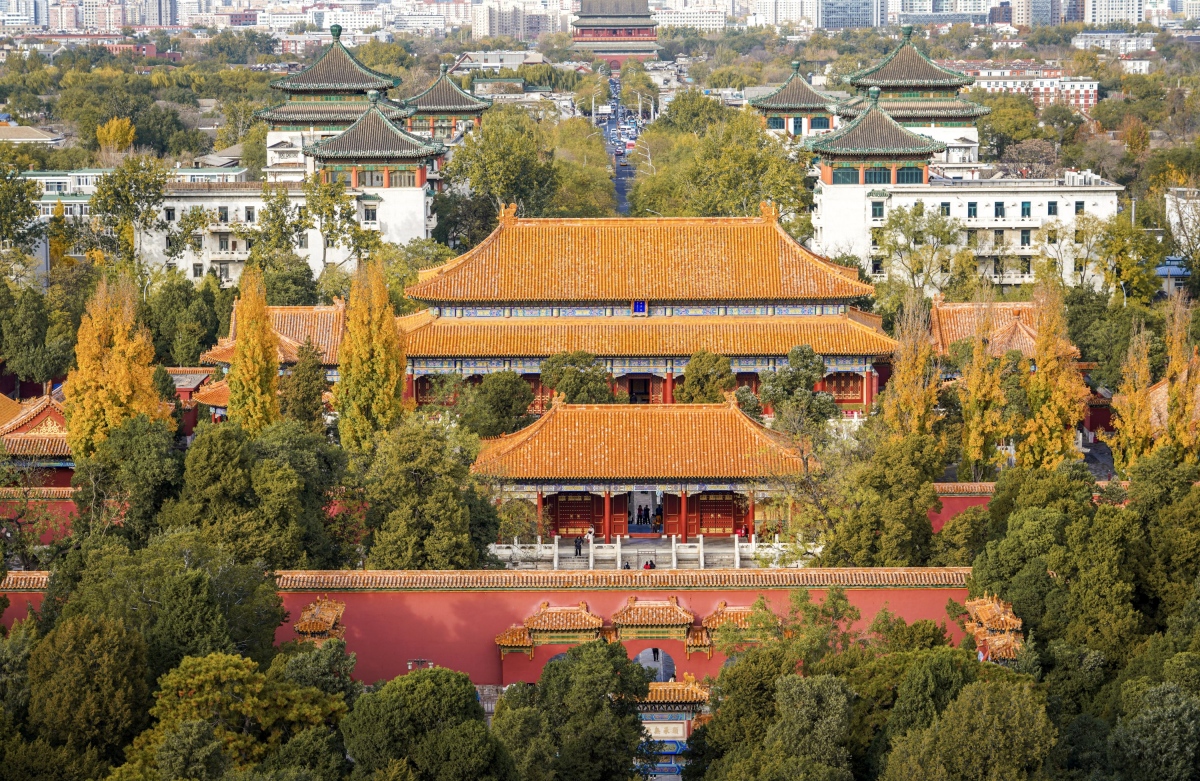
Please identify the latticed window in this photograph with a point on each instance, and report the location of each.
(879, 176)
(370, 178)
(819, 123)
(845, 176)
(775, 123)
(406, 178)
(908, 176)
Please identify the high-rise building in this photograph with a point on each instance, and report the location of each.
(846, 14)
(161, 13)
(1109, 11)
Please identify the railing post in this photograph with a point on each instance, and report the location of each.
(674, 554)
(618, 551)
(592, 553)
(556, 551)
(737, 553)
(701, 536)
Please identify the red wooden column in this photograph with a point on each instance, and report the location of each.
(683, 516)
(669, 388)
(607, 517)
(540, 504)
(750, 515)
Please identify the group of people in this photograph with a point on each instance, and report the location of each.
(646, 516)
(587, 537)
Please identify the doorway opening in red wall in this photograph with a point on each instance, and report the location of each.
(659, 662)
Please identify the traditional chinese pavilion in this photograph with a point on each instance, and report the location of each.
(322, 325)
(614, 31)
(1013, 325)
(643, 295)
(444, 109)
(916, 92)
(34, 433)
(796, 108)
(874, 149)
(374, 152)
(697, 468)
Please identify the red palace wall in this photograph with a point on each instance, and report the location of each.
(956, 497)
(57, 504)
(451, 619)
(456, 627)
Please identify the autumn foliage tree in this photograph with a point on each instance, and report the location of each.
(114, 375)
(1054, 388)
(370, 385)
(254, 375)
(910, 398)
(1183, 377)
(1132, 437)
(982, 401)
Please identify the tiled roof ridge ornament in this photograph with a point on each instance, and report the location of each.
(373, 97)
(444, 68)
(907, 31)
(796, 67)
(874, 93)
(336, 31)
(508, 215)
(769, 211)
(559, 399)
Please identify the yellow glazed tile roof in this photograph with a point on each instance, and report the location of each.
(448, 337)
(563, 618)
(644, 612)
(38, 429)
(738, 615)
(324, 325)
(1012, 326)
(749, 580)
(623, 259)
(215, 394)
(639, 441)
(686, 691)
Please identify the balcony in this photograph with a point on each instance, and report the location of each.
(228, 254)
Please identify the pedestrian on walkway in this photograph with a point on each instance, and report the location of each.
(578, 546)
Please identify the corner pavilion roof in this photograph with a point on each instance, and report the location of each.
(796, 94)
(624, 259)
(908, 67)
(638, 442)
(336, 71)
(1013, 325)
(445, 96)
(374, 136)
(427, 336)
(874, 134)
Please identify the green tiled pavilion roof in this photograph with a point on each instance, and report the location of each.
(913, 109)
(443, 95)
(296, 112)
(874, 134)
(336, 71)
(907, 66)
(373, 136)
(796, 93)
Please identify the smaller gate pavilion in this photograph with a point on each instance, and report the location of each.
(642, 470)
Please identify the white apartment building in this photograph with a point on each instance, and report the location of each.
(352, 22)
(1077, 92)
(1002, 219)
(522, 20)
(705, 19)
(782, 12)
(1108, 11)
(1116, 42)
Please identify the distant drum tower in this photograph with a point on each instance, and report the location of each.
(615, 30)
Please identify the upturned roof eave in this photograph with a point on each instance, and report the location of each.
(382, 80)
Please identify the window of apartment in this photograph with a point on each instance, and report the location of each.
(945, 208)
(998, 209)
(997, 237)
(368, 215)
(972, 238)
(1026, 266)
(775, 123)
(1078, 237)
(1025, 237)
(876, 210)
(876, 236)
(908, 176)
(1052, 208)
(222, 214)
(302, 242)
(329, 242)
(169, 214)
(404, 179)
(223, 242)
(879, 176)
(249, 214)
(223, 271)
(972, 210)
(845, 176)
(1026, 210)
(197, 270)
(1051, 236)
(819, 123)
(1079, 207)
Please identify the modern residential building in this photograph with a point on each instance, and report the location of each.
(615, 31)
(849, 14)
(705, 19)
(1116, 41)
(1109, 11)
(521, 20)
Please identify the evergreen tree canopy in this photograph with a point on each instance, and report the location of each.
(578, 377)
(499, 405)
(254, 374)
(708, 378)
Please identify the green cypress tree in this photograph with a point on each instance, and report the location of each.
(707, 379)
(302, 389)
